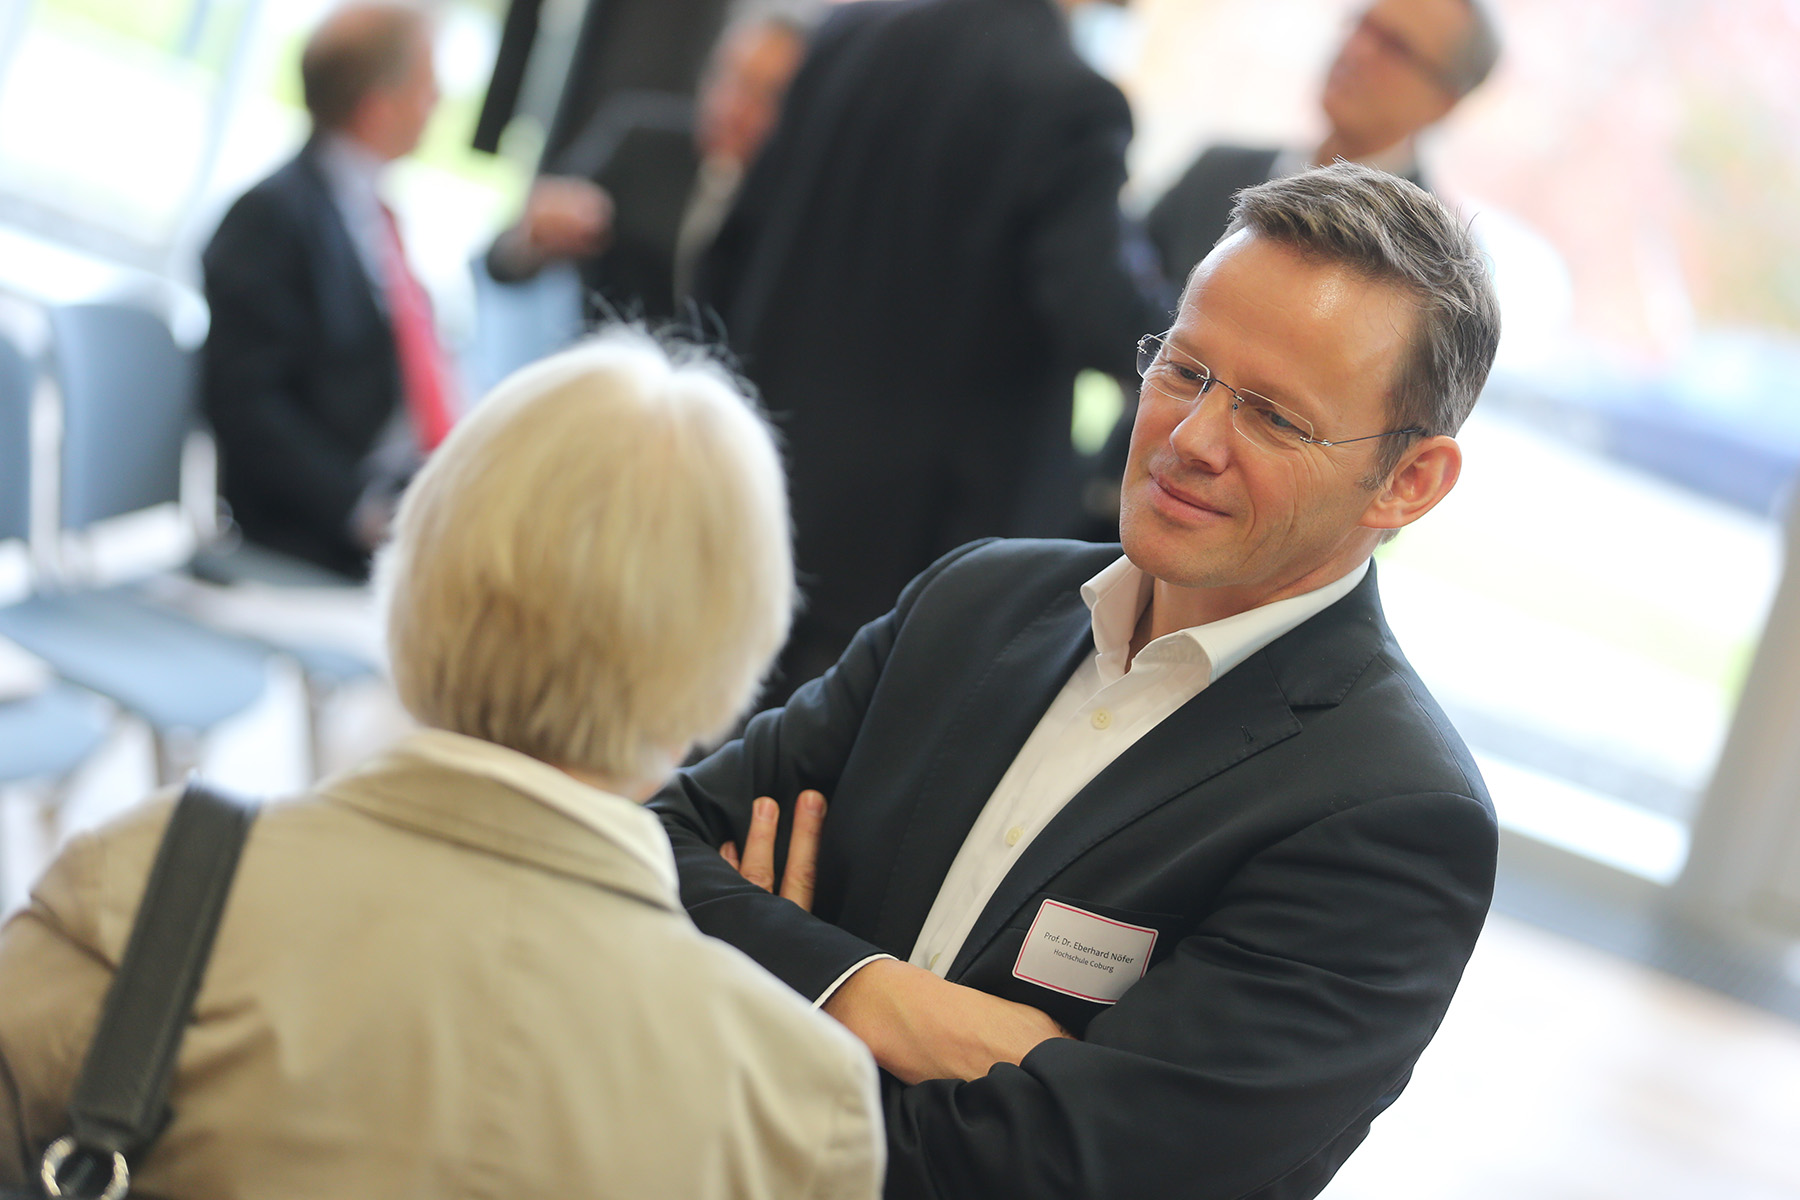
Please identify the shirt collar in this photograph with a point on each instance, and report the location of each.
(1117, 595)
(623, 822)
(352, 171)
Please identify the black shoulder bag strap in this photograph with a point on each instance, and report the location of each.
(121, 1099)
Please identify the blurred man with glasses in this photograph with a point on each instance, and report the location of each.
(1152, 874)
(1402, 67)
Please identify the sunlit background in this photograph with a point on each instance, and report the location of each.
(1587, 605)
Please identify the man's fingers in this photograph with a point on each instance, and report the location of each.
(756, 862)
(758, 858)
(803, 849)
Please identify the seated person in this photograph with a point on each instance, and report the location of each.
(322, 374)
(463, 968)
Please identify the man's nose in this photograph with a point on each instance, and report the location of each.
(1204, 434)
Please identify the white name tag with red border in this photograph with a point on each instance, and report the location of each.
(1083, 954)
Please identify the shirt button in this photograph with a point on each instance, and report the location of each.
(1101, 718)
(1014, 834)
(932, 965)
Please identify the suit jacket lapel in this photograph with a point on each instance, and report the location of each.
(1242, 714)
(992, 722)
(351, 300)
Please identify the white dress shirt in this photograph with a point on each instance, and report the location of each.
(1109, 702)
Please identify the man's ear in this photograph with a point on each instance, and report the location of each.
(1424, 476)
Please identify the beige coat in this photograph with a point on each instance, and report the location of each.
(428, 984)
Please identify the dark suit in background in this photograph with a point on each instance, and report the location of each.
(640, 148)
(650, 178)
(1308, 836)
(927, 251)
(299, 375)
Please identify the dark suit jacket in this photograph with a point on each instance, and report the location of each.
(924, 255)
(640, 148)
(299, 373)
(650, 178)
(1189, 218)
(1308, 835)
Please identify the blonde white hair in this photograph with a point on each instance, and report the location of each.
(595, 567)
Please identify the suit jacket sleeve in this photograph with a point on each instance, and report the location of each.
(260, 290)
(1091, 277)
(1189, 218)
(782, 752)
(1238, 1067)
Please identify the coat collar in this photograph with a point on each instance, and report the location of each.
(411, 791)
(1240, 715)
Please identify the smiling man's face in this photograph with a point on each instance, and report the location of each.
(1203, 507)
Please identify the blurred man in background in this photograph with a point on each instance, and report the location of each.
(639, 195)
(1403, 67)
(322, 373)
(927, 251)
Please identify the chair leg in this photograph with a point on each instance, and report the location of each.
(318, 695)
(47, 801)
(177, 754)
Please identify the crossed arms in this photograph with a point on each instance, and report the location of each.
(917, 1025)
(1320, 929)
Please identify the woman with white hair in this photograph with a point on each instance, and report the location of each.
(463, 969)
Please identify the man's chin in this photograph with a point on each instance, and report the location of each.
(1164, 558)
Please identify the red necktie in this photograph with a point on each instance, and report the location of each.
(424, 380)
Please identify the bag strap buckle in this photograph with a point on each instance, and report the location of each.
(58, 1154)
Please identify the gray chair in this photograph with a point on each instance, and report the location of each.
(519, 323)
(126, 399)
(49, 734)
(45, 736)
(128, 408)
(16, 379)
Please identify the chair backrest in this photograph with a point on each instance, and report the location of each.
(519, 323)
(15, 442)
(128, 405)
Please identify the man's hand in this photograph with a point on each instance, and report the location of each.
(757, 863)
(917, 1025)
(564, 218)
(921, 1027)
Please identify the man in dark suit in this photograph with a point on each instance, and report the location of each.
(925, 254)
(321, 374)
(1403, 67)
(1153, 875)
(640, 193)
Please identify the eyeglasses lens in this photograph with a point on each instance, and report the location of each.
(1257, 418)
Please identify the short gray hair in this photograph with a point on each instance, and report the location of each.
(1474, 58)
(594, 568)
(1394, 232)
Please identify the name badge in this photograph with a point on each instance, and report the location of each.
(1080, 954)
